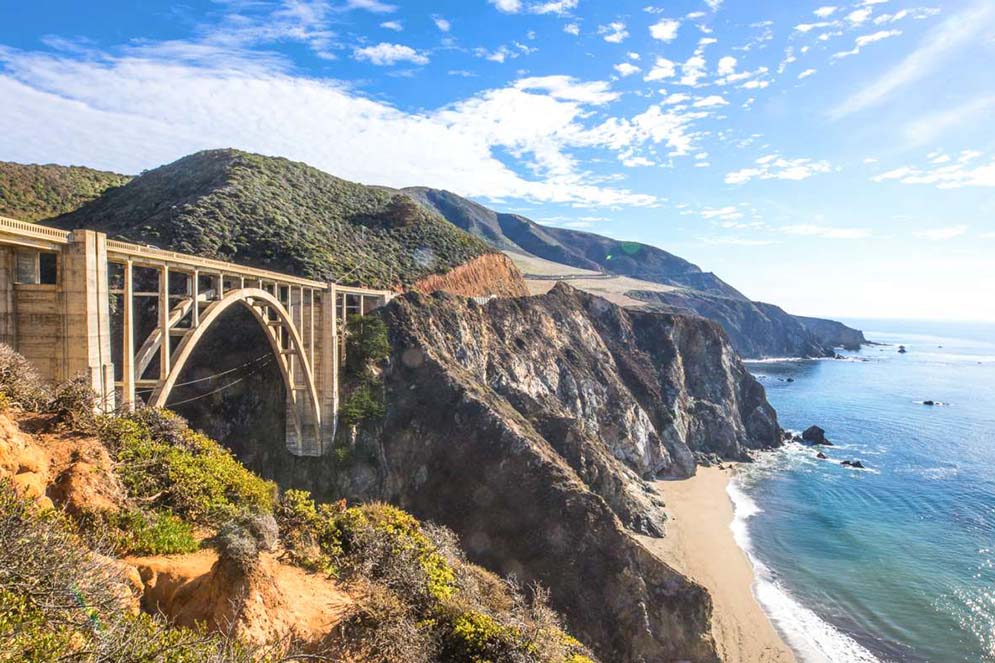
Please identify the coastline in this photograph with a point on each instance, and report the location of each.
(700, 544)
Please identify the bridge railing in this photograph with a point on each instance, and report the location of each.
(31, 231)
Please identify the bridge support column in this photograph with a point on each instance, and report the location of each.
(86, 302)
(327, 342)
(8, 319)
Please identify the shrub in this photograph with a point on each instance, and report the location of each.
(134, 532)
(310, 533)
(59, 601)
(20, 384)
(175, 468)
(364, 401)
(366, 342)
(74, 404)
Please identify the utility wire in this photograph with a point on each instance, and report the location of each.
(216, 375)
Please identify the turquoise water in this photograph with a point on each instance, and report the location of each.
(896, 563)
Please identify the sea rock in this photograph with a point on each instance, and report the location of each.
(858, 465)
(929, 403)
(815, 435)
(902, 350)
(847, 463)
(821, 456)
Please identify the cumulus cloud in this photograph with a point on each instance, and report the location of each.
(441, 23)
(710, 102)
(626, 69)
(507, 6)
(396, 26)
(385, 54)
(825, 12)
(572, 29)
(665, 29)
(614, 32)
(776, 167)
(727, 66)
(554, 7)
(806, 73)
(662, 69)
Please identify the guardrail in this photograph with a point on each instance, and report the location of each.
(33, 231)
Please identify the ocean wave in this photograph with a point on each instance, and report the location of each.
(813, 639)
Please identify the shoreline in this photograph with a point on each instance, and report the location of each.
(701, 545)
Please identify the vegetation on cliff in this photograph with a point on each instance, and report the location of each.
(32, 192)
(79, 492)
(282, 215)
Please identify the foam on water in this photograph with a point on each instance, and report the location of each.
(813, 639)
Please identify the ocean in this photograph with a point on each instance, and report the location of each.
(896, 562)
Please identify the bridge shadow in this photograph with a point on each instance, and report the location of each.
(233, 391)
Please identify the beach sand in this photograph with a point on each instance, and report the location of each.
(700, 544)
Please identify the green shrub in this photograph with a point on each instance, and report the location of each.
(310, 533)
(363, 402)
(184, 471)
(366, 342)
(138, 533)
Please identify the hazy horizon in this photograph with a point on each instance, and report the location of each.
(835, 159)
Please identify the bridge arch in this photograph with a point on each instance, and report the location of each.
(285, 340)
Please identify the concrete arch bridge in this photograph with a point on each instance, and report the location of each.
(57, 290)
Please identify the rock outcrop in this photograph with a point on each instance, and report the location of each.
(528, 425)
(755, 329)
(833, 333)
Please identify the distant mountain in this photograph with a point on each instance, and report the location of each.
(283, 215)
(755, 329)
(571, 247)
(31, 192)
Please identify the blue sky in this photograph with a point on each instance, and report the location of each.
(836, 158)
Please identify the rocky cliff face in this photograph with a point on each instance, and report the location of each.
(836, 334)
(528, 425)
(755, 329)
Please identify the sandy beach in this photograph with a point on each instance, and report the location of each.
(700, 544)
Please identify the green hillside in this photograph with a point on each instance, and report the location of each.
(283, 215)
(32, 192)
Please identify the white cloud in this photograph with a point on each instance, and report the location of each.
(572, 29)
(825, 232)
(692, 71)
(507, 6)
(678, 98)
(665, 29)
(614, 32)
(727, 65)
(385, 54)
(864, 40)
(662, 69)
(943, 174)
(713, 4)
(859, 16)
(626, 69)
(942, 234)
(396, 26)
(119, 113)
(806, 73)
(728, 213)
(775, 167)
(372, 5)
(825, 12)
(710, 102)
(554, 7)
(958, 31)
(442, 23)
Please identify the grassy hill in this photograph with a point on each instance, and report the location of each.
(32, 192)
(283, 215)
(511, 232)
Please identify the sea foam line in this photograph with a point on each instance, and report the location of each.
(813, 639)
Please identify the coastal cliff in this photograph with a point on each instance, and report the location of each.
(530, 426)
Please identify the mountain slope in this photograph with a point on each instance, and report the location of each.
(31, 192)
(283, 215)
(755, 329)
(571, 247)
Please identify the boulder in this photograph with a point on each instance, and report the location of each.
(821, 456)
(815, 435)
(846, 463)
(857, 464)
